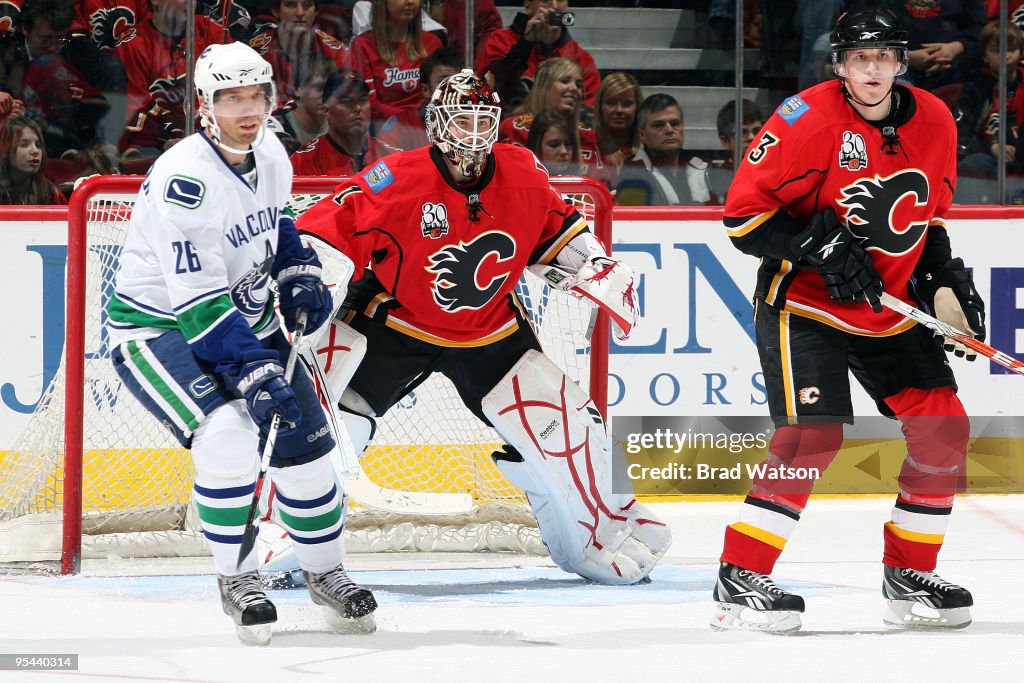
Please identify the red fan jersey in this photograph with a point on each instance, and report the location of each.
(816, 151)
(156, 70)
(285, 81)
(500, 44)
(394, 88)
(516, 130)
(323, 156)
(447, 279)
(111, 23)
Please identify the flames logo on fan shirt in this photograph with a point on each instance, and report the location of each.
(459, 268)
(891, 213)
(112, 27)
(9, 13)
(408, 78)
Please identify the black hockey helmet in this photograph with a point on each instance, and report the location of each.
(865, 29)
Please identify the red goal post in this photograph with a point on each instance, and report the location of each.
(588, 195)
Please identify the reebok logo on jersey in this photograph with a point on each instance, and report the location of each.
(183, 191)
(379, 177)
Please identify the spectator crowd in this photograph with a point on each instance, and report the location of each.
(99, 86)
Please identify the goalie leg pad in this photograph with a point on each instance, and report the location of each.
(561, 457)
(338, 353)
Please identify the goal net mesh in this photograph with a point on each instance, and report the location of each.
(136, 479)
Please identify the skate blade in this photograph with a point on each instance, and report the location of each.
(258, 634)
(732, 617)
(354, 626)
(908, 614)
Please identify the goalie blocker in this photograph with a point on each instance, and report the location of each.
(560, 455)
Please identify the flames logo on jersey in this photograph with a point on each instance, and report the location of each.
(891, 213)
(459, 268)
(168, 90)
(112, 27)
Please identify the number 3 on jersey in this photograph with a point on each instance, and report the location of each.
(186, 260)
(760, 148)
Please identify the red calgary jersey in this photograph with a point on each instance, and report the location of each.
(816, 151)
(447, 279)
(394, 89)
(156, 70)
(269, 47)
(516, 130)
(323, 156)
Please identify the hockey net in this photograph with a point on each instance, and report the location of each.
(128, 494)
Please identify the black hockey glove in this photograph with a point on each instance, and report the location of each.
(300, 287)
(964, 309)
(844, 264)
(266, 391)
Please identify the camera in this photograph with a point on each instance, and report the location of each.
(561, 19)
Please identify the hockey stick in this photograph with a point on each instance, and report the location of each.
(983, 349)
(249, 536)
(359, 485)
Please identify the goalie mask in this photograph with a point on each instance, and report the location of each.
(867, 30)
(462, 121)
(234, 65)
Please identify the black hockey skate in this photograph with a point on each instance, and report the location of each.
(749, 601)
(916, 599)
(348, 607)
(243, 600)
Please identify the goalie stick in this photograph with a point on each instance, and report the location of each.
(983, 349)
(358, 484)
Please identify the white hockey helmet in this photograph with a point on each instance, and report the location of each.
(233, 65)
(462, 120)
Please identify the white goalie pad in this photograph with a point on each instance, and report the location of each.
(608, 283)
(338, 353)
(563, 462)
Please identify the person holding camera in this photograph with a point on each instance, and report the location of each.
(509, 58)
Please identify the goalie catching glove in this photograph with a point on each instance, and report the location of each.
(949, 291)
(845, 266)
(607, 282)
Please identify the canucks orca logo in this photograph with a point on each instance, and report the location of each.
(249, 294)
(457, 271)
(112, 27)
(891, 214)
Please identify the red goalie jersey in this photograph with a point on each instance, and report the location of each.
(447, 259)
(815, 151)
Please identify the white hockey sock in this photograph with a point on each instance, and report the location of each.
(224, 450)
(312, 508)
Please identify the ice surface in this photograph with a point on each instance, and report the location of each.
(509, 618)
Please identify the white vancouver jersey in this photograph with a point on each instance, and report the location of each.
(201, 244)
